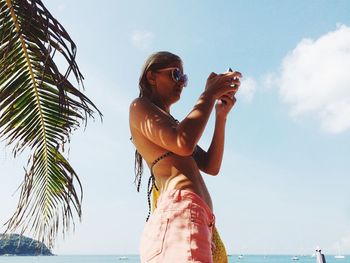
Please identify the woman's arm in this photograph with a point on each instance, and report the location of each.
(181, 139)
(156, 126)
(210, 161)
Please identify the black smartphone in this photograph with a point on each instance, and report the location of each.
(228, 70)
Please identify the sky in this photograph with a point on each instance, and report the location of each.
(283, 184)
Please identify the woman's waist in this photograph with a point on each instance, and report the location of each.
(182, 199)
(191, 188)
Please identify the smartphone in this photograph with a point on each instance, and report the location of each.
(228, 70)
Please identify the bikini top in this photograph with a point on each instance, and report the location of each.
(159, 159)
(152, 179)
(166, 155)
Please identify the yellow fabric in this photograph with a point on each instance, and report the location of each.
(155, 196)
(219, 253)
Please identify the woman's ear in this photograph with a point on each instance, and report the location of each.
(151, 78)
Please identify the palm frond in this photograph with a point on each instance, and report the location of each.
(39, 108)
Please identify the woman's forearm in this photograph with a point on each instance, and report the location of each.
(191, 128)
(216, 148)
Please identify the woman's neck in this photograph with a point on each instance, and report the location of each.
(166, 110)
(161, 104)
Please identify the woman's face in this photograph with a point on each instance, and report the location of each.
(170, 82)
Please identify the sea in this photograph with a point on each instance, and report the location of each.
(135, 259)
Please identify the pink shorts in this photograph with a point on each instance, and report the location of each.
(179, 230)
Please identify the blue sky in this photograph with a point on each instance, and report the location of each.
(283, 186)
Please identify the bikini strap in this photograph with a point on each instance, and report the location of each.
(160, 158)
(152, 181)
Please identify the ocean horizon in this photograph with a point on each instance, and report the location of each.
(135, 259)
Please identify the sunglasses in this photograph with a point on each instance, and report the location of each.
(176, 75)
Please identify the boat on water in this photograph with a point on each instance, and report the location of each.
(123, 258)
(240, 256)
(295, 258)
(339, 255)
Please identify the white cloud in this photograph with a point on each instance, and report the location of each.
(269, 81)
(142, 39)
(315, 80)
(247, 89)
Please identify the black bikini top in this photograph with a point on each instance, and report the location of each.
(152, 179)
(163, 156)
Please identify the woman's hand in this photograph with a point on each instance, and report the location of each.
(223, 88)
(219, 85)
(224, 105)
(227, 101)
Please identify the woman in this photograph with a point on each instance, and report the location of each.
(181, 227)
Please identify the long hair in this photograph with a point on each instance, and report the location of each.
(155, 62)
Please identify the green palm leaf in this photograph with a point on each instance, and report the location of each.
(39, 108)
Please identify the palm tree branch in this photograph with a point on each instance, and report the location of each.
(39, 108)
(59, 184)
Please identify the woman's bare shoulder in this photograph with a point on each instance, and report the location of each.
(143, 110)
(139, 102)
(139, 106)
(144, 105)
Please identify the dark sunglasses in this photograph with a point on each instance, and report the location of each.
(176, 75)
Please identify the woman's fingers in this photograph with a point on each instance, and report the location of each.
(233, 75)
(228, 99)
(221, 84)
(235, 83)
(231, 86)
(230, 94)
(212, 75)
